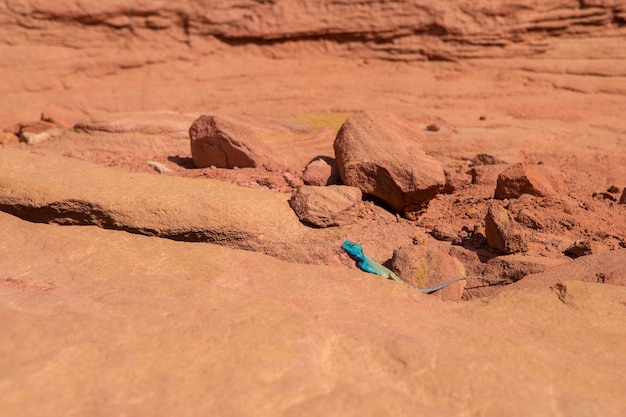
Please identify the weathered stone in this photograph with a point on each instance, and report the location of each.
(622, 199)
(169, 124)
(605, 267)
(334, 205)
(444, 233)
(580, 248)
(502, 232)
(159, 167)
(436, 31)
(7, 138)
(55, 189)
(154, 297)
(39, 131)
(424, 266)
(486, 174)
(516, 266)
(381, 154)
(521, 179)
(528, 219)
(218, 142)
(498, 157)
(321, 171)
(457, 178)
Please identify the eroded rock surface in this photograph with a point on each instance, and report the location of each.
(413, 30)
(61, 190)
(99, 305)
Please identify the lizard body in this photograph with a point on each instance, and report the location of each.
(355, 251)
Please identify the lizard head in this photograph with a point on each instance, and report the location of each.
(352, 248)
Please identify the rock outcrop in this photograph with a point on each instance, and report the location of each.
(61, 190)
(87, 304)
(409, 30)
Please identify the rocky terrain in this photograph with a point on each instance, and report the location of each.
(176, 182)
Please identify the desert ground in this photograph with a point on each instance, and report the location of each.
(144, 273)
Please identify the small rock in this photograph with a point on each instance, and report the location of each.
(613, 189)
(444, 234)
(485, 159)
(522, 179)
(498, 157)
(457, 179)
(381, 154)
(159, 167)
(424, 266)
(321, 171)
(216, 141)
(37, 132)
(486, 174)
(293, 180)
(7, 138)
(579, 248)
(334, 205)
(604, 196)
(622, 199)
(502, 232)
(528, 219)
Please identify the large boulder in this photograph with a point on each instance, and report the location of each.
(381, 154)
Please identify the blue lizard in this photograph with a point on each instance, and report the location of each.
(355, 251)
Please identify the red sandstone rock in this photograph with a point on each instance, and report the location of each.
(85, 58)
(521, 179)
(381, 154)
(37, 132)
(333, 205)
(7, 138)
(99, 305)
(516, 266)
(424, 266)
(321, 171)
(502, 232)
(220, 143)
(161, 123)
